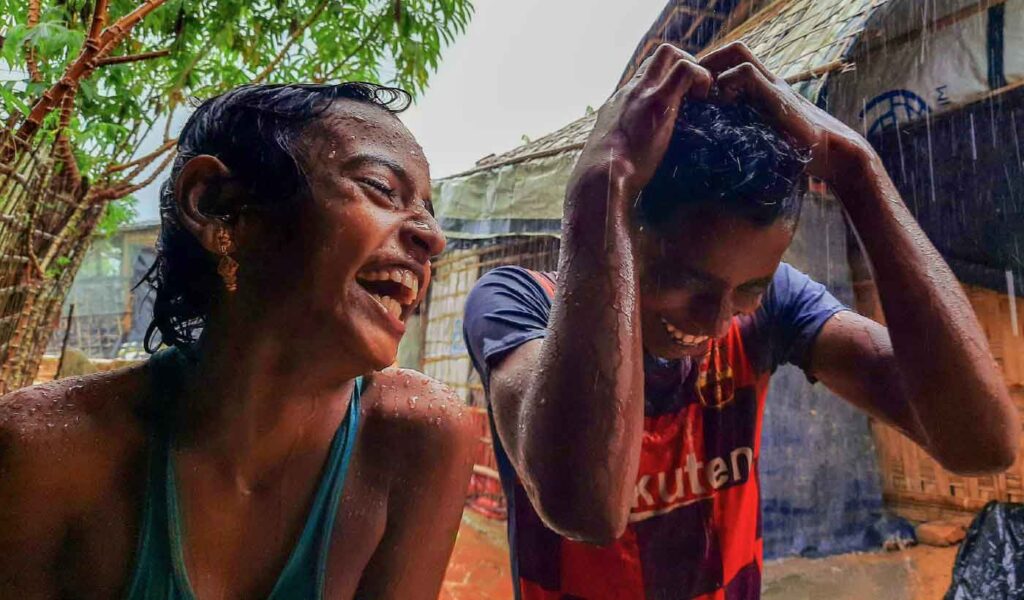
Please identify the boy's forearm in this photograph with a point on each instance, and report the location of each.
(584, 413)
(951, 380)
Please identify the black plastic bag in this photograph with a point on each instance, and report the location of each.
(990, 563)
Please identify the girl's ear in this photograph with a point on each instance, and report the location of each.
(207, 199)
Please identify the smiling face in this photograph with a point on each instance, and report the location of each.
(700, 271)
(357, 260)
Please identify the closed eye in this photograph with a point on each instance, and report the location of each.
(379, 186)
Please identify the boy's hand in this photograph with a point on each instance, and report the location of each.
(635, 125)
(740, 76)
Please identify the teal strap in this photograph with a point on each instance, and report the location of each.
(160, 572)
(151, 544)
(315, 541)
(152, 577)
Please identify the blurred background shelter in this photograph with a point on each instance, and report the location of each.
(111, 313)
(934, 86)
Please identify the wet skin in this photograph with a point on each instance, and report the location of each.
(261, 407)
(699, 271)
(930, 373)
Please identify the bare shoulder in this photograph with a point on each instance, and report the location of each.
(416, 411)
(65, 439)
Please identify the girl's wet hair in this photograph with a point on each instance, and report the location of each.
(252, 130)
(725, 158)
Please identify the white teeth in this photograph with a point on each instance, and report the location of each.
(682, 338)
(389, 304)
(404, 277)
(393, 307)
(409, 281)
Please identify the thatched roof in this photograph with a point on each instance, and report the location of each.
(570, 137)
(802, 40)
(692, 25)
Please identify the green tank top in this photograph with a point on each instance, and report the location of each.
(159, 572)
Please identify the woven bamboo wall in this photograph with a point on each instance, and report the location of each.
(913, 484)
(454, 275)
(445, 357)
(45, 226)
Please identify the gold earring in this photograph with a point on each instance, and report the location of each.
(227, 268)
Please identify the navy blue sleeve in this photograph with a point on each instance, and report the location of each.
(505, 309)
(794, 309)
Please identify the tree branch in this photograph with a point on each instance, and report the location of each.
(99, 20)
(122, 190)
(31, 64)
(357, 50)
(62, 145)
(117, 60)
(148, 158)
(291, 40)
(92, 50)
(191, 66)
(167, 125)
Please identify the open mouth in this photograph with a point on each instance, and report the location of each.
(683, 339)
(394, 288)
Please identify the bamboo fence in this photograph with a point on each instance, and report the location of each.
(46, 219)
(445, 357)
(48, 209)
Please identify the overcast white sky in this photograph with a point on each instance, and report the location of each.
(523, 67)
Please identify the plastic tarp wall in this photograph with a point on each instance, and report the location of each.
(956, 156)
(961, 176)
(915, 72)
(523, 198)
(820, 491)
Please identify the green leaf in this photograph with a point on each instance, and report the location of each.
(12, 98)
(116, 214)
(216, 45)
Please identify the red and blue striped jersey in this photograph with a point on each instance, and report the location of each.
(695, 523)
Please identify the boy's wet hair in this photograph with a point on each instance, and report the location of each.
(253, 130)
(725, 158)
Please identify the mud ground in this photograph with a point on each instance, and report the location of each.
(479, 570)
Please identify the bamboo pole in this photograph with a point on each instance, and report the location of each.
(64, 342)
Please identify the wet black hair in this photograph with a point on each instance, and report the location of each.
(253, 130)
(725, 158)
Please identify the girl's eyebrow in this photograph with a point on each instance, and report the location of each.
(359, 160)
